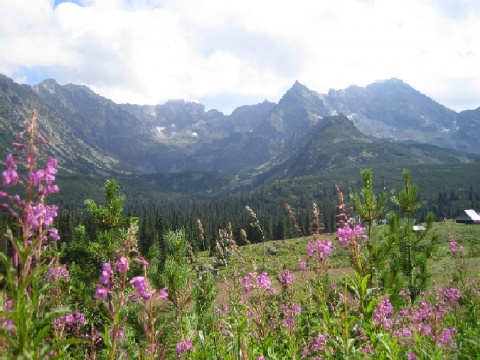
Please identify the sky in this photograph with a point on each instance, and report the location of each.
(228, 53)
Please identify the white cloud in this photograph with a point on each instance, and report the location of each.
(147, 51)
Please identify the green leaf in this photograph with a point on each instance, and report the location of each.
(47, 349)
(40, 336)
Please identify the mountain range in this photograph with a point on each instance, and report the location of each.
(387, 122)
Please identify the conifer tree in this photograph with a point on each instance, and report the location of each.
(370, 207)
(409, 261)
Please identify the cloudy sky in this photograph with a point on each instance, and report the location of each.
(226, 53)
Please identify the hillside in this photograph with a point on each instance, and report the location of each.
(74, 155)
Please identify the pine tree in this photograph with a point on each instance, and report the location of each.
(410, 259)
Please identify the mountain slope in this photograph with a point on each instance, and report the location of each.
(16, 105)
(394, 110)
(468, 131)
(337, 143)
(97, 121)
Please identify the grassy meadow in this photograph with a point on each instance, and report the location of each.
(290, 251)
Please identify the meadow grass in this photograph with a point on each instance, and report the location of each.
(289, 252)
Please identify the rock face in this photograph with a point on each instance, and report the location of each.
(66, 143)
(393, 110)
(95, 134)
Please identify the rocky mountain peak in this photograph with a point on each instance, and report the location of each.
(300, 93)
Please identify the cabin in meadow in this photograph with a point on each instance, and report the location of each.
(471, 217)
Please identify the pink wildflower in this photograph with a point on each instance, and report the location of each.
(446, 337)
(302, 265)
(120, 334)
(57, 272)
(139, 283)
(163, 293)
(141, 260)
(100, 293)
(9, 308)
(321, 249)
(247, 282)
(10, 176)
(453, 247)
(347, 234)
(452, 294)
(122, 265)
(381, 314)
(286, 278)
(290, 313)
(107, 274)
(183, 346)
(53, 234)
(412, 356)
(262, 281)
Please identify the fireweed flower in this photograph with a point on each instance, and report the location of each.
(39, 176)
(290, 313)
(320, 251)
(58, 272)
(302, 265)
(8, 323)
(139, 283)
(452, 294)
(53, 234)
(100, 293)
(412, 356)
(262, 281)
(10, 163)
(426, 319)
(446, 337)
(141, 260)
(183, 346)
(225, 309)
(41, 215)
(453, 247)
(10, 176)
(381, 314)
(107, 273)
(163, 293)
(80, 318)
(367, 349)
(122, 265)
(69, 319)
(348, 235)
(317, 345)
(286, 278)
(249, 282)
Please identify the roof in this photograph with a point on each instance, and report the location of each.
(473, 215)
